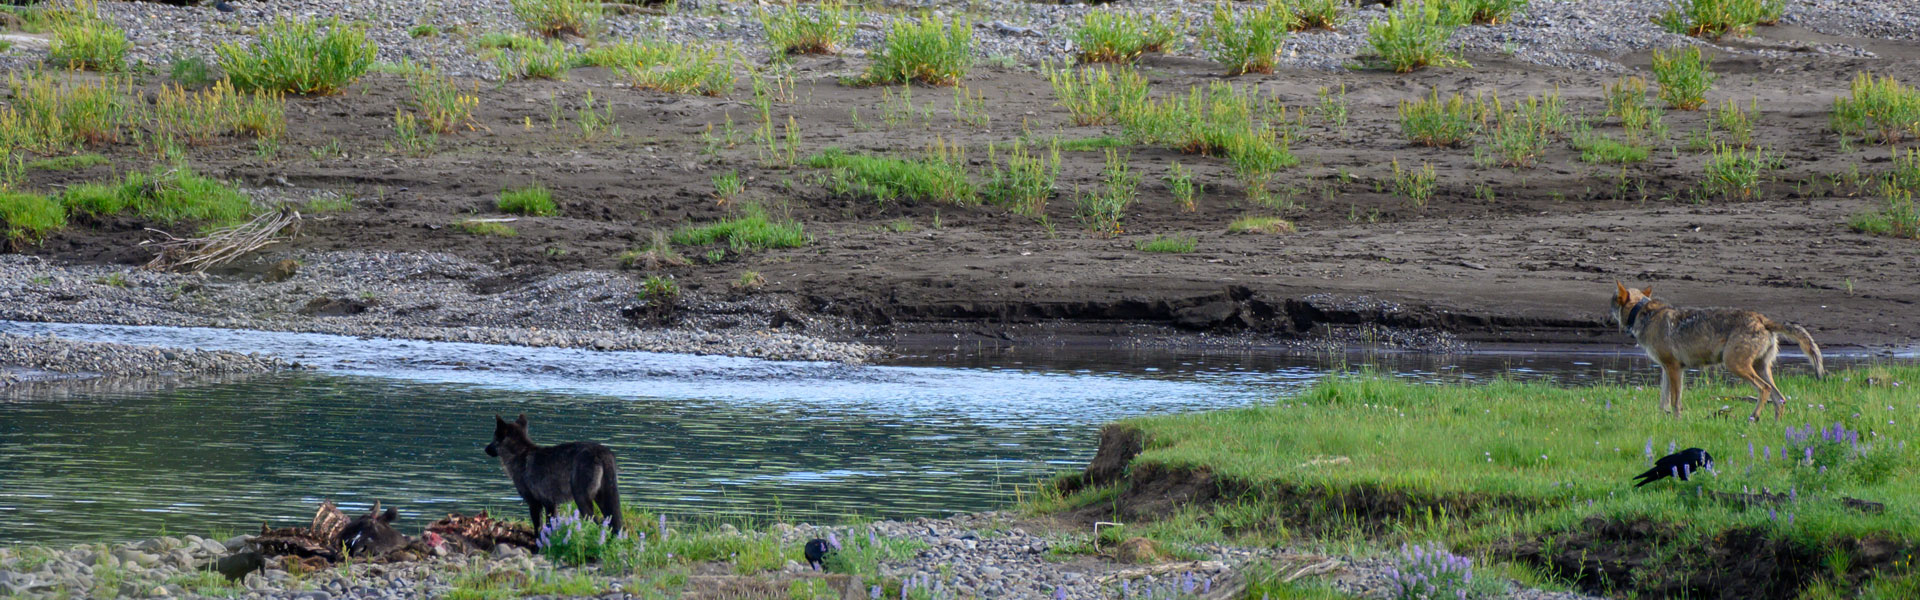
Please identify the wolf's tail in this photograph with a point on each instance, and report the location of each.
(608, 498)
(1800, 337)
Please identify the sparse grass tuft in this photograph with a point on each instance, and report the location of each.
(1736, 122)
(1102, 211)
(1899, 219)
(1022, 181)
(558, 17)
(1105, 36)
(1249, 42)
(190, 71)
(1416, 185)
(882, 179)
(533, 59)
(198, 117)
(1432, 121)
(1879, 110)
(443, 106)
(1097, 95)
(67, 163)
(923, 50)
(1413, 35)
(533, 200)
(1186, 191)
(1736, 172)
(29, 217)
(1482, 12)
(658, 253)
(482, 583)
(1216, 120)
(1684, 77)
(753, 230)
(487, 228)
(1598, 148)
(1627, 99)
(1717, 18)
(1168, 244)
(1260, 224)
(1317, 14)
(83, 41)
(820, 30)
(296, 58)
(48, 115)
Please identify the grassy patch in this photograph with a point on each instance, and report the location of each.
(68, 163)
(486, 228)
(1684, 77)
(1433, 121)
(1260, 224)
(1543, 459)
(520, 57)
(29, 217)
(443, 107)
(557, 17)
(190, 71)
(165, 195)
(1899, 218)
(1216, 120)
(1718, 18)
(1097, 95)
(481, 583)
(49, 115)
(883, 179)
(820, 30)
(1736, 172)
(1598, 148)
(1879, 109)
(1248, 42)
(1168, 244)
(1317, 14)
(296, 57)
(1105, 36)
(1022, 180)
(668, 67)
(1483, 12)
(1103, 210)
(82, 41)
(923, 50)
(1186, 191)
(1416, 185)
(1737, 122)
(753, 230)
(200, 116)
(533, 200)
(1414, 35)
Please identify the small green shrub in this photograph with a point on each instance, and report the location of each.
(753, 230)
(728, 186)
(1214, 120)
(1432, 121)
(89, 43)
(1260, 224)
(1627, 99)
(1413, 35)
(533, 200)
(1022, 181)
(422, 30)
(1899, 219)
(1736, 122)
(165, 195)
(296, 58)
(557, 17)
(190, 71)
(1249, 42)
(674, 68)
(1102, 211)
(1317, 14)
(1119, 37)
(818, 31)
(658, 290)
(536, 59)
(1186, 191)
(923, 50)
(1098, 95)
(1483, 12)
(1684, 77)
(48, 115)
(1736, 172)
(1717, 18)
(1416, 185)
(30, 217)
(1161, 244)
(198, 117)
(1879, 109)
(884, 179)
(487, 228)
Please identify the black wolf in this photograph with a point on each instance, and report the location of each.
(579, 472)
(372, 534)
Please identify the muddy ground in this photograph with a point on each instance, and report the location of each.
(1499, 256)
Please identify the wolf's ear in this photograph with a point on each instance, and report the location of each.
(1646, 291)
(390, 516)
(499, 421)
(1622, 295)
(522, 421)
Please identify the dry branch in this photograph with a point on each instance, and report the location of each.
(221, 245)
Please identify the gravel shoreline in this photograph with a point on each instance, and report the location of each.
(29, 358)
(422, 296)
(985, 555)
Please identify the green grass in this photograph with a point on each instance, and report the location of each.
(486, 228)
(165, 195)
(1416, 185)
(68, 163)
(1718, 18)
(1598, 148)
(1540, 459)
(669, 67)
(296, 57)
(1737, 172)
(1737, 122)
(1520, 133)
(520, 57)
(1684, 77)
(1168, 244)
(443, 107)
(1627, 99)
(190, 71)
(1317, 14)
(1105, 36)
(1414, 35)
(50, 116)
(1021, 180)
(559, 17)
(1091, 144)
(89, 43)
(29, 217)
(1248, 42)
(1899, 219)
(1216, 120)
(819, 30)
(496, 40)
(482, 583)
(884, 179)
(1433, 121)
(533, 200)
(1097, 95)
(659, 290)
(923, 50)
(197, 117)
(753, 230)
(1260, 224)
(1104, 209)
(1482, 12)
(1879, 109)
(1186, 191)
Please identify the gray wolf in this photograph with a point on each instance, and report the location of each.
(1745, 342)
(546, 476)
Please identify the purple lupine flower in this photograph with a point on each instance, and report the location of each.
(1126, 587)
(1789, 519)
(1766, 453)
(1060, 592)
(1793, 494)
(833, 540)
(874, 594)
(1649, 450)
(1187, 584)
(1809, 453)
(872, 538)
(1207, 588)
(663, 527)
(1823, 469)
(1772, 515)
(1749, 449)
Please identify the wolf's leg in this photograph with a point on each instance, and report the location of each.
(1666, 389)
(1744, 370)
(1678, 374)
(1765, 368)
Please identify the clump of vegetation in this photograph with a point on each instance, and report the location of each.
(1249, 42)
(1021, 180)
(1432, 121)
(1186, 191)
(1097, 95)
(504, 584)
(1119, 37)
(198, 117)
(937, 178)
(49, 115)
(1430, 571)
(1413, 35)
(443, 106)
(1736, 122)
(295, 57)
(1482, 12)
(1215, 120)
(1520, 133)
(818, 31)
(558, 17)
(532, 200)
(533, 59)
(658, 253)
(1598, 148)
(1717, 18)
(1683, 76)
(84, 41)
(68, 163)
(655, 290)
(190, 71)
(1899, 218)
(1317, 14)
(1260, 224)
(1878, 109)
(29, 217)
(166, 195)
(923, 50)
(1627, 99)
(753, 230)
(728, 186)
(1736, 172)
(1103, 210)
(1168, 244)
(1416, 185)
(486, 228)
(669, 67)
(749, 280)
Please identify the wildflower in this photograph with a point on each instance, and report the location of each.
(1789, 519)
(1207, 587)
(663, 526)
(833, 540)
(1060, 593)
(1773, 515)
(874, 594)
(1749, 449)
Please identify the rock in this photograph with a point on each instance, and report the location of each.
(506, 551)
(1137, 551)
(236, 543)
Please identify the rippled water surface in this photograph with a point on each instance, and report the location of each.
(940, 431)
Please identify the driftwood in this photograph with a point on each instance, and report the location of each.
(481, 532)
(1162, 569)
(221, 245)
